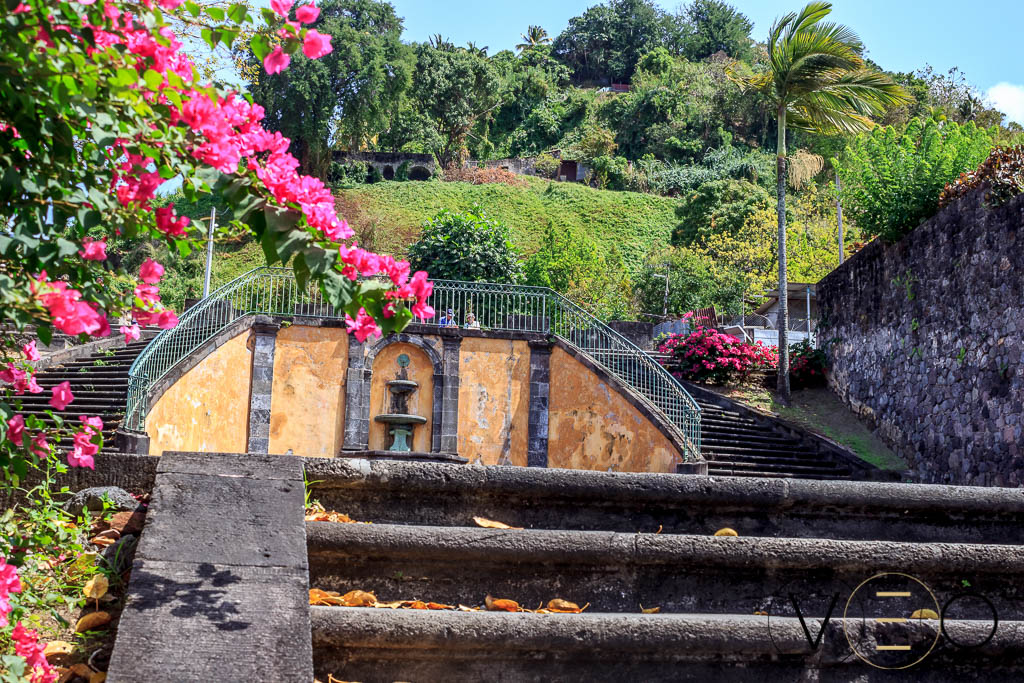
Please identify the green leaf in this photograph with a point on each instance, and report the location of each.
(260, 46)
(237, 13)
(215, 13)
(153, 79)
(193, 8)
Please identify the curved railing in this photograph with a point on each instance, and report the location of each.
(273, 291)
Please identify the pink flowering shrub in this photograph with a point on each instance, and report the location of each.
(99, 108)
(807, 366)
(707, 355)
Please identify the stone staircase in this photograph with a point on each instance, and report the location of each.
(740, 442)
(730, 608)
(99, 383)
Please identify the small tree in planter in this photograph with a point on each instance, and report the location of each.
(707, 355)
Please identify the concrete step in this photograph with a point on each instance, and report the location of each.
(618, 572)
(441, 494)
(755, 473)
(373, 645)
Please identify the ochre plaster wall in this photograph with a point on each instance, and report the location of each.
(592, 427)
(421, 402)
(207, 410)
(307, 407)
(494, 401)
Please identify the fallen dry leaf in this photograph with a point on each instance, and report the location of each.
(501, 605)
(760, 613)
(491, 524)
(650, 610)
(82, 564)
(358, 598)
(415, 604)
(82, 670)
(103, 541)
(319, 597)
(96, 587)
(91, 621)
(98, 677)
(559, 605)
(726, 532)
(58, 648)
(438, 605)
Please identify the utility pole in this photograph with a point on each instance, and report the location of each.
(839, 218)
(664, 301)
(209, 252)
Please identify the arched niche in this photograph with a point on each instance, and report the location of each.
(424, 368)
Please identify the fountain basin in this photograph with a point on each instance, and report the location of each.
(400, 418)
(401, 386)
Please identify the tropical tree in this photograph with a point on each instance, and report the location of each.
(818, 81)
(533, 37)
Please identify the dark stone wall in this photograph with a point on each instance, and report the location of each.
(927, 340)
(640, 333)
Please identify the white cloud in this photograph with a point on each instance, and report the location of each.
(1009, 99)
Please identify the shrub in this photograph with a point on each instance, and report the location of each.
(1002, 176)
(807, 365)
(402, 174)
(547, 166)
(347, 173)
(892, 181)
(467, 246)
(707, 355)
(374, 176)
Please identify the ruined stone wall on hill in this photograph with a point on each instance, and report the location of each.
(926, 337)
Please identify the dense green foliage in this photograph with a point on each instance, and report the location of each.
(719, 206)
(694, 282)
(892, 179)
(344, 99)
(469, 246)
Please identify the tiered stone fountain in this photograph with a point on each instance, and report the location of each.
(402, 423)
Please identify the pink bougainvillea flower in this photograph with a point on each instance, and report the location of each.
(167, 319)
(78, 458)
(30, 351)
(21, 9)
(151, 272)
(170, 4)
(40, 446)
(27, 646)
(16, 429)
(316, 44)
(282, 7)
(9, 583)
(277, 61)
(93, 250)
(92, 422)
(307, 14)
(167, 224)
(130, 332)
(62, 396)
(363, 326)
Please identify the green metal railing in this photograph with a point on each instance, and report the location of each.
(273, 291)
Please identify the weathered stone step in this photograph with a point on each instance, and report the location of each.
(409, 645)
(441, 494)
(759, 449)
(725, 437)
(737, 432)
(777, 466)
(619, 572)
(755, 474)
(796, 461)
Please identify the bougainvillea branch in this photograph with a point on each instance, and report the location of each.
(99, 108)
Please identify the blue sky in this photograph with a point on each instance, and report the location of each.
(984, 38)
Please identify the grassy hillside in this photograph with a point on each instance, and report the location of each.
(389, 215)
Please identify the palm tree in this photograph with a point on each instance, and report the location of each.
(817, 81)
(534, 36)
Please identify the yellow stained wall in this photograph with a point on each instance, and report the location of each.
(421, 402)
(207, 409)
(307, 406)
(494, 401)
(591, 426)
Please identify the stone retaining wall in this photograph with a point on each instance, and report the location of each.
(926, 342)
